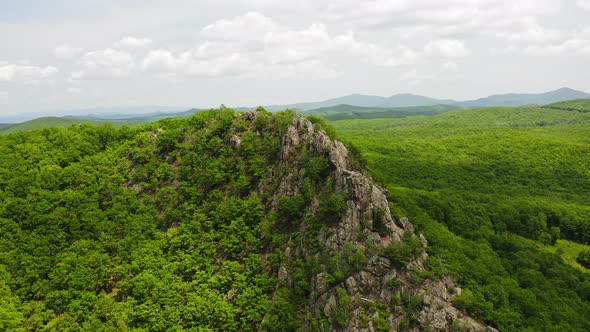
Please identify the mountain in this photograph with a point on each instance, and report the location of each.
(516, 99)
(222, 221)
(399, 100)
(344, 112)
(44, 122)
(409, 100)
(99, 113)
(353, 99)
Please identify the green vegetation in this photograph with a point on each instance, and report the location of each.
(175, 225)
(45, 122)
(584, 258)
(493, 190)
(346, 112)
(569, 251)
(165, 226)
(579, 105)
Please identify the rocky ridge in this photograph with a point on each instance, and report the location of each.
(382, 293)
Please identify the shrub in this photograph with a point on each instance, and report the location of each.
(584, 259)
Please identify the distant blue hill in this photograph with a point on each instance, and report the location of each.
(412, 100)
(520, 99)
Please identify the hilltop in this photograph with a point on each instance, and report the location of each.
(220, 221)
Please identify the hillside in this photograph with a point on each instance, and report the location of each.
(521, 99)
(67, 121)
(222, 221)
(580, 105)
(344, 112)
(44, 122)
(494, 190)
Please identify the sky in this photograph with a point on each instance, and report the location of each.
(74, 54)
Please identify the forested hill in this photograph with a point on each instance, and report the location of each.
(219, 222)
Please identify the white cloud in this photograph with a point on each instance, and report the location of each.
(249, 25)
(253, 44)
(133, 42)
(189, 63)
(450, 66)
(105, 64)
(73, 90)
(577, 43)
(574, 46)
(527, 29)
(25, 73)
(447, 48)
(441, 18)
(584, 4)
(66, 51)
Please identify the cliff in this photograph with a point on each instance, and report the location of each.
(378, 283)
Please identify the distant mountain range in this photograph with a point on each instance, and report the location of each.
(395, 101)
(411, 100)
(146, 113)
(519, 99)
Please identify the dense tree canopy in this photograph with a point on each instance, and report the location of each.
(156, 227)
(493, 190)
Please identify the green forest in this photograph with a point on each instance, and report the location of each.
(105, 229)
(164, 227)
(503, 196)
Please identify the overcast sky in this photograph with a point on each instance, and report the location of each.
(69, 54)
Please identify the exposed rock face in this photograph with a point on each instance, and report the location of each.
(378, 296)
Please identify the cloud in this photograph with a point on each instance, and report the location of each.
(527, 29)
(447, 48)
(577, 43)
(66, 51)
(189, 63)
(574, 46)
(105, 64)
(450, 66)
(452, 18)
(73, 90)
(251, 24)
(25, 73)
(133, 42)
(253, 44)
(584, 4)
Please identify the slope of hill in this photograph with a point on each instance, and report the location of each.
(515, 99)
(222, 221)
(41, 123)
(67, 121)
(410, 100)
(580, 105)
(99, 113)
(343, 112)
(493, 190)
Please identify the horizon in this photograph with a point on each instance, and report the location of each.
(142, 110)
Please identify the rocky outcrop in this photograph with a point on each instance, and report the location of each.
(378, 294)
